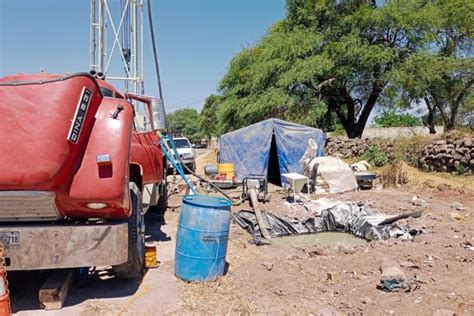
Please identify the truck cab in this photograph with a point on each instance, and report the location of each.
(77, 173)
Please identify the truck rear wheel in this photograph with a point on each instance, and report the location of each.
(163, 199)
(162, 204)
(134, 267)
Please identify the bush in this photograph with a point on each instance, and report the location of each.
(375, 157)
(392, 119)
(409, 149)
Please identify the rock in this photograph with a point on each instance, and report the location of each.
(416, 201)
(294, 257)
(345, 250)
(442, 149)
(333, 277)
(391, 271)
(268, 265)
(458, 217)
(444, 312)
(440, 142)
(444, 187)
(458, 206)
(317, 251)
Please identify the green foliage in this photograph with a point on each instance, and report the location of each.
(441, 74)
(461, 169)
(209, 120)
(339, 130)
(187, 122)
(375, 157)
(393, 119)
(343, 57)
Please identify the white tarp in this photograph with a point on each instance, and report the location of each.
(333, 175)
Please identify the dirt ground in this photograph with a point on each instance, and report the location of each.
(282, 278)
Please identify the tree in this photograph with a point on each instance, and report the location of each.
(186, 121)
(325, 56)
(442, 74)
(209, 120)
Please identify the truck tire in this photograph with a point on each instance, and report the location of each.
(162, 204)
(163, 199)
(134, 267)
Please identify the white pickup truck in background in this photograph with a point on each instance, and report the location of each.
(186, 152)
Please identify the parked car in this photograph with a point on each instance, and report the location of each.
(186, 153)
(201, 144)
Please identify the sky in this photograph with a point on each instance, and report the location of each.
(195, 40)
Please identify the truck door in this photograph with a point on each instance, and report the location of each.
(145, 142)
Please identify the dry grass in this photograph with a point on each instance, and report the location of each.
(400, 173)
(397, 173)
(410, 148)
(227, 294)
(209, 158)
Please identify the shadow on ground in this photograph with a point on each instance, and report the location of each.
(99, 283)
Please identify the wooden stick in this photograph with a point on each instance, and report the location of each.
(390, 220)
(54, 291)
(262, 223)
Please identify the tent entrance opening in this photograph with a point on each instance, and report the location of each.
(273, 173)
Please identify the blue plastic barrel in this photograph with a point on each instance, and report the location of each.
(201, 241)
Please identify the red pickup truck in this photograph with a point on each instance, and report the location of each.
(79, 167)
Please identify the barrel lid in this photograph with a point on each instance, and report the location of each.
(207, 201)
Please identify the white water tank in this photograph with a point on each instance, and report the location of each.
(159, 116)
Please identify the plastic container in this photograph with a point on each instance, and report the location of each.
(201, 241)
(225, 171)
(151, 258)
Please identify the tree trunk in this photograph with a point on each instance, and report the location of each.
(359, 127)
(452, 120)
(430, 119)
(354, 129)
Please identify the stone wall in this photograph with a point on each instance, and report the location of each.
(453, 154)
(449, 155)
(348, 148)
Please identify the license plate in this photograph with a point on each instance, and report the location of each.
(10, 239)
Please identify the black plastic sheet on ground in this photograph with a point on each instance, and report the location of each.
(350, 218)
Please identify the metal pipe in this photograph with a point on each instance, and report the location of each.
(101, 37)
(135, 46)
(92, 35)
(142, 59)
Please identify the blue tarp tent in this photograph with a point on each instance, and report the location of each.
(269, 148)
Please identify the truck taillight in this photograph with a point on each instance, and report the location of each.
(103, 160)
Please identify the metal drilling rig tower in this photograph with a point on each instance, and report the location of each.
(125, 60)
